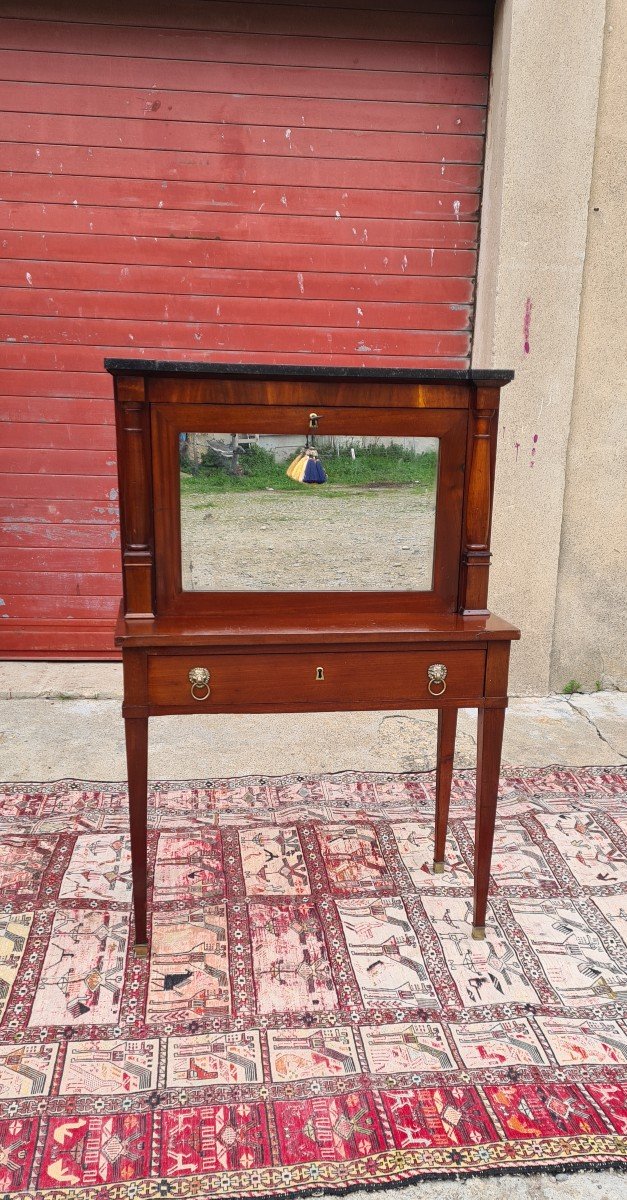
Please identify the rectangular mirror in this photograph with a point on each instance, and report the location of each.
(267, 512)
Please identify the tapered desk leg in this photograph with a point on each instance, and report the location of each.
(489, 743)
(137, 766)
(447, 726)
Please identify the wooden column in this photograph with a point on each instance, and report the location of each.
(134, 469)
(480, 454)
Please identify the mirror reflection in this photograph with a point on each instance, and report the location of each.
(267, 512)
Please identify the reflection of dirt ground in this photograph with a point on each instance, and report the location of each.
(279, 541)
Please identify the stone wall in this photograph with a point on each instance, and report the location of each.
(590, 639)
(548, 294)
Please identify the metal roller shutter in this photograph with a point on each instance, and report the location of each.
(241, 182)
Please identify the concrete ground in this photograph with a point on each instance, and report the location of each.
(60, 720)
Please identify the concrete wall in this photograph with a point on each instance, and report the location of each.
(590, 639)
(539, 160)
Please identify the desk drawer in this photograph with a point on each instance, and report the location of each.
(313, 680)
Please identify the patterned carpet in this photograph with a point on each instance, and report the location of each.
(314, 1015)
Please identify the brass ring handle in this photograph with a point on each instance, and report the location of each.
(437, 673)
(199, 679)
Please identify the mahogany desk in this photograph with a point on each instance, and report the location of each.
(236, 652)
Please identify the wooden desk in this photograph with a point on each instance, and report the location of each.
(187, 652)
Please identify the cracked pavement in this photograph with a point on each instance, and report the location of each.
(59, 720)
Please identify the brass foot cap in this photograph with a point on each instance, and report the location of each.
(438, 868)
(141, 950)
(478, 933)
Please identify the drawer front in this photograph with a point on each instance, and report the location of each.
(314, 680)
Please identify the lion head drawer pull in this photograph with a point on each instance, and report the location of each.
(437, 679)
(199, 679)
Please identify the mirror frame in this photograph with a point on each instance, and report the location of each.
(156, 401)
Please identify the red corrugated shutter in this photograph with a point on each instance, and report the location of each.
(235, 182)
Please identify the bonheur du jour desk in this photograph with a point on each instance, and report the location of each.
(369, 595)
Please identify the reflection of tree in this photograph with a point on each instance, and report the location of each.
(191, 450)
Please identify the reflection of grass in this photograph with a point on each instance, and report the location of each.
(377, 466)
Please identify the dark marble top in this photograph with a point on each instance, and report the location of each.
(141, 366)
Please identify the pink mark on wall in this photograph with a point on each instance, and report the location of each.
(527, 325)
(534, 441)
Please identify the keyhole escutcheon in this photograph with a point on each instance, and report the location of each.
(319, 673)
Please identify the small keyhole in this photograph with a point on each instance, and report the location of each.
(313, 420)
(319, 673)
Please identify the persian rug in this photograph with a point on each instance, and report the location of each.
(314, 1015)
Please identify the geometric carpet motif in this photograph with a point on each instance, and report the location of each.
(314, 1015)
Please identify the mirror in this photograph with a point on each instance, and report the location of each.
(264, 512)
